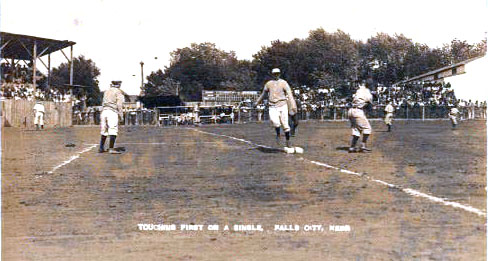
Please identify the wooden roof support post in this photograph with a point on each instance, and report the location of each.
(34, 58)
(71, 65)
(49, 71)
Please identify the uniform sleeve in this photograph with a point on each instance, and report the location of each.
(292, 105)
(369, 96)
(260, 99)
(120, 101)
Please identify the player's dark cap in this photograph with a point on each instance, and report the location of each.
(369, 83)
(116, 83)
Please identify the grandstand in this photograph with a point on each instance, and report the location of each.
(464, 77)
(17, 48)
(20, 55)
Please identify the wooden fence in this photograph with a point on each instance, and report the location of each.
(20, 113)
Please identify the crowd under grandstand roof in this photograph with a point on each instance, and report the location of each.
(20, 47)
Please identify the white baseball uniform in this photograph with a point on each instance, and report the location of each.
(453, 113)
(279, 93)
(389, 109)
(113, 100)
(39, 114)
(359, 122)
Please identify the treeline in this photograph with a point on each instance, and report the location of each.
(321, 60)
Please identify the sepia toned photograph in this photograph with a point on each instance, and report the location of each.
(243, 130)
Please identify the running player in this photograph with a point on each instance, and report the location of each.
(359, 122)
(113, 100)
(280, 95)
(453, 114)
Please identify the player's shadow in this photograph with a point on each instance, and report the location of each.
(343, 148)
(120, 149)
(268, 150)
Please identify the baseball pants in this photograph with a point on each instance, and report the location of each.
(279, 117)
(39, 118)
(453, 119)
(359, 122)
(389, 118)
(109, 123)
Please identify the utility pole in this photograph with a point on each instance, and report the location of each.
(142, 75)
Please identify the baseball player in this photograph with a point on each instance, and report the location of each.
(196, 110)
(389, 109)
(280, 97)
(453, 114)
(359, 122)
(113, 99)
(293, 118)
(39, 111)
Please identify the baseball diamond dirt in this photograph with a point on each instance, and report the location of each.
(64, 202)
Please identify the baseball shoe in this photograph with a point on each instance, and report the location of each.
(353, 150)
(288, 144)
(278, 141)
(113, 151)
(100, 150)
(364, 149)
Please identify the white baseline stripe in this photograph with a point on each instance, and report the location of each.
(159, 143)
(408, 191)
(71, 159)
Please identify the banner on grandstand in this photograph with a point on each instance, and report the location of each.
(228, 97)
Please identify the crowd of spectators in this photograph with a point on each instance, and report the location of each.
(11, 73)
(18, 90)
(16, 84)
(420, 94)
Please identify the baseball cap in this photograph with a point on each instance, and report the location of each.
(275, 70)
(116, 83)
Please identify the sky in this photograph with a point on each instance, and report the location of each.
(118, 35)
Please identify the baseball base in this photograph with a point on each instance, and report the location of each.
(293, 150)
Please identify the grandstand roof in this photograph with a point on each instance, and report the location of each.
(20, 47)
(439, 70)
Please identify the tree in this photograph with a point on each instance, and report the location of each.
(200, 67)
(459, 51)
(321, 60)
(159, 85)
(85, 73)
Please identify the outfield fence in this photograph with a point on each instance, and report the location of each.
(184, 116)
(20, 113)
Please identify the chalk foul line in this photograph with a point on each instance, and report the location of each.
(71, 159)
(408, 191)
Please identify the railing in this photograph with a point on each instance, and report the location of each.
(152, 117)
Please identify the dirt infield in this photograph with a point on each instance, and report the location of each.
(71, 203)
